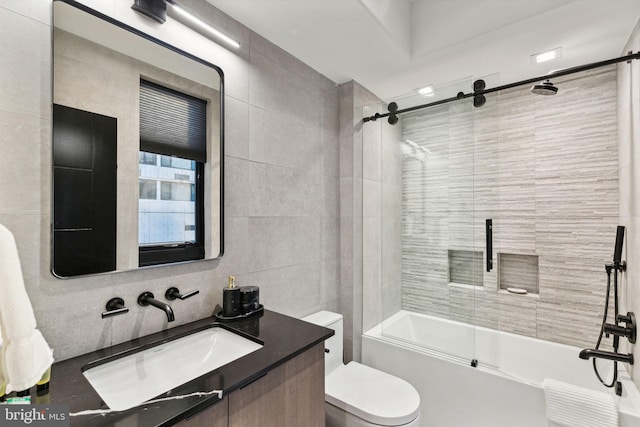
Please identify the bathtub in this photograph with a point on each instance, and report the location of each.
(504, 390)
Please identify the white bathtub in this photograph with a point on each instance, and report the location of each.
(505, 390)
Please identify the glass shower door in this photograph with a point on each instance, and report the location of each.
(432, 266)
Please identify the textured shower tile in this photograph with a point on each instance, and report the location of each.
(518, 314)
(425, 298)
(462, 304)
(554, 320)
(487, 309)
(275, 140)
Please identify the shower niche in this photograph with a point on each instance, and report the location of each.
(517, 273)
(465, 268)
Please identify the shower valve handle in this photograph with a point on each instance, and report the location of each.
(628, 331)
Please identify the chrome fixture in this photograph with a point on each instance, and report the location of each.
(174, 293)
(146, 298)
(115, 306)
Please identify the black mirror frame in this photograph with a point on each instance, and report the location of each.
(187, 55)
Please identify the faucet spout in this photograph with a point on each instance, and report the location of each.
(146, 298)
(588, 353)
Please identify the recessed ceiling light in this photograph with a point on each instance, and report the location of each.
(549, 55)
(427, 91)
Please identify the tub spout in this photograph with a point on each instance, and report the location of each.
(588, 353)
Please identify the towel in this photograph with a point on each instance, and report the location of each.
(25, 355)
(569, 405)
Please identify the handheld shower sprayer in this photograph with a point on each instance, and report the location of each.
(628, 330)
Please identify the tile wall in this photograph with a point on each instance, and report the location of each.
(282, 178)
(545, 169)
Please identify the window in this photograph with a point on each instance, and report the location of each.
(148, 189)
(172, 158)
(148, 158)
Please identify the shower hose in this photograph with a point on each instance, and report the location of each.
(609, 267)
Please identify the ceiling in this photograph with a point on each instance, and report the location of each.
(393, 47)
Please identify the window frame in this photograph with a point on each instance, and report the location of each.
(149, 255)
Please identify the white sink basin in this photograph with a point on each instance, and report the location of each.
(133, 379)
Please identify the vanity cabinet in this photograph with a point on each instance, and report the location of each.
(290, 395)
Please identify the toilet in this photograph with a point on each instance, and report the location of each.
(357, 395)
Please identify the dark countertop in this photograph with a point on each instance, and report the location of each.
(283, 337)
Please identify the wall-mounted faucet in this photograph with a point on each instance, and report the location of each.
(146, 298)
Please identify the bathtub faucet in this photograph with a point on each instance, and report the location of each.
(588, 353)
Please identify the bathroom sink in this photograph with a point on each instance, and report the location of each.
(125, 381)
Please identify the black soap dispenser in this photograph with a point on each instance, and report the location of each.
(239, 302)
(231, 299)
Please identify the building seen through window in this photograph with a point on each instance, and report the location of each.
(167, 211)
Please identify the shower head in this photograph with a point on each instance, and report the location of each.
(544, 88)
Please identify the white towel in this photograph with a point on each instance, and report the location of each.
(25, 355)
(569, 405)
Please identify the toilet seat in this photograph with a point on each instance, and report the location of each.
(372, 395)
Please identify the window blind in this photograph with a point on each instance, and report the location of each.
(172, 123)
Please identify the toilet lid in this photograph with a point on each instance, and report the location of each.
(372, 395)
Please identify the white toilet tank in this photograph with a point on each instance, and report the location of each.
(333, 346)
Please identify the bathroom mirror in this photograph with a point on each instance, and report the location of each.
(137, 143)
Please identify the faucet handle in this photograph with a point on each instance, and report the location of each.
(115, 306)
(174, 293)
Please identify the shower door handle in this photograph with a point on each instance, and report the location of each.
(489, 243)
